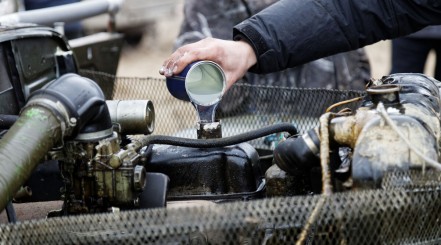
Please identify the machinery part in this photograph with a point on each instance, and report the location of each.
(412, 103)
(86, 103)
(369, 168)
(139, 178)
(209, 130)
(132, 116)
(154, 194)
(416, 117)
(6, 121)
(326, 179)
(281, 183)
(65, 13)
(305, 155)
(197, 173)
(300, 158)
(22, 73)
(99, 175)
(431, 162)
(43, 122)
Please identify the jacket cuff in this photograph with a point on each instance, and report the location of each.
(248, 34)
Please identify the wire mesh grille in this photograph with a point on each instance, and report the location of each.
(243, 108)
(393, 216)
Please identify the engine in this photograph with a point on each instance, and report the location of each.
(97, 172)
(105, 158)
(396, 128)
(69, 123)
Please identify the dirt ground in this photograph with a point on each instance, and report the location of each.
(146, 59)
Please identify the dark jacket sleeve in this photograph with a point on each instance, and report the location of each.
(293, 32)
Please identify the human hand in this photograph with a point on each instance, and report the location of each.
(235, 57)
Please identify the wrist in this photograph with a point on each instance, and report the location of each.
(248, 53)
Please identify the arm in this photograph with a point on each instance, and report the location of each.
(235, 57)
(293, 32)
(290, 32)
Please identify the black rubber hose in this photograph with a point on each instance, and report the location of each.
(83, 99)
(6, 121)
(227, 141)
(295, 156)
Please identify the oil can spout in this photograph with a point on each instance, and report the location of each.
(203, 83)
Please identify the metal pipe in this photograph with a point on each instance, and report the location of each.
(63, 13)
(132, 116)
(24, 146)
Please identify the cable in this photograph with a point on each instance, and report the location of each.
(324, 153)
(343, 103)
(221, 142)
(326, 179)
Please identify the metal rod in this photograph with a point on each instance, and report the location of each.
(63, 13)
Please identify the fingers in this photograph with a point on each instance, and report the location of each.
(176, 62)
(185, 55)
(169, 66)
(235, 57)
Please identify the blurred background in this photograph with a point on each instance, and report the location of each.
(146, 58)
(151, 27)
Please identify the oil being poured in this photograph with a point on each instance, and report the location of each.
(205, 84)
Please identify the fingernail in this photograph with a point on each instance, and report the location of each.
(161, 70)
(169, 72)
(175, 68)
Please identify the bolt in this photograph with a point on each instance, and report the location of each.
(73, 120)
